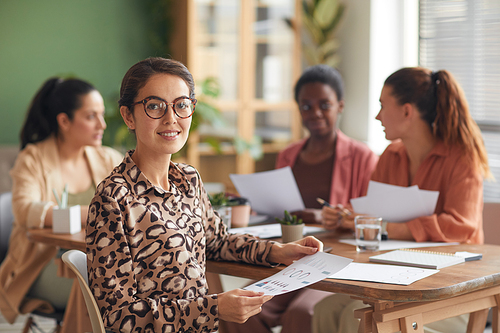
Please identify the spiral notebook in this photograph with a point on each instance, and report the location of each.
(418, 258)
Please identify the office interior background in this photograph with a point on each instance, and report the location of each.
(255, 57)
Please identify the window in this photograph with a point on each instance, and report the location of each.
(463, 36)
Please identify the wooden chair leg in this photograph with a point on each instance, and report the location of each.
(477, 321)
(495, 323)
(365, 317)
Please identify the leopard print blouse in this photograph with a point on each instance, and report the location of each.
(147, 250)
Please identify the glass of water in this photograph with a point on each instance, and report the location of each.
(368, 232)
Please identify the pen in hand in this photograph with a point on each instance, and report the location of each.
(342, 211)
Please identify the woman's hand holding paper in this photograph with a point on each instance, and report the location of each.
(288, 253)
(238, 305)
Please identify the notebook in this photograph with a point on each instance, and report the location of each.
(418, 258)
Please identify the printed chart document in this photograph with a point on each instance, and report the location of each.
(301, 273)
(270, 192)
(382, 273)
(396, 203)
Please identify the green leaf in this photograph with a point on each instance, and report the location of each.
(210, 87)
(325, 11)
(336, 19)
(214, 143)
(218, 199)
(321, 18)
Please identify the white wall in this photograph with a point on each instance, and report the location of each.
(377, 37)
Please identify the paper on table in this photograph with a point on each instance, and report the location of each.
(270, 192)
(392, 244)
(391, 274)
(270, 230)
(396, 203)
(301, 273)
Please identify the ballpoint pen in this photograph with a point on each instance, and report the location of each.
(345, 212)
(342, 211)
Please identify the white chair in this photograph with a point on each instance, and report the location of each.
(6, 220)
(77, 262)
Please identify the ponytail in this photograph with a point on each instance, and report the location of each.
(442, 104)
(55, 96)
(454, 123)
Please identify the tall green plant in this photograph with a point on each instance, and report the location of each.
(321, 20)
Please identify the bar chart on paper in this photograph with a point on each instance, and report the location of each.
(301, 273)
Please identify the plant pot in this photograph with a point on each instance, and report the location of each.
(240, 215)
(291, 232)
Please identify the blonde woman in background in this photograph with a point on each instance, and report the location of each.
(60, 145)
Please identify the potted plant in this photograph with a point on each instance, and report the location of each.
(321, 20)
(292, 228)
(234, 211)
(219, 203)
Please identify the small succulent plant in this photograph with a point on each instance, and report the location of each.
(289, 219)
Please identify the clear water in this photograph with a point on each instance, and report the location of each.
(368, 237)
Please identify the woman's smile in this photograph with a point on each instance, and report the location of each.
(170, 135)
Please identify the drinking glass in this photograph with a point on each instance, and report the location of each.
(368, 232)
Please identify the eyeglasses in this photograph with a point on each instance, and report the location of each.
(306, 108)
(156, 107)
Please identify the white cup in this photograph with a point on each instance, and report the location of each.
(66, 220)
(368, 231)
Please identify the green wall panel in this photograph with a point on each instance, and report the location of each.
(96, 40)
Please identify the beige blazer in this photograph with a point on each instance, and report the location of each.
(35, 173)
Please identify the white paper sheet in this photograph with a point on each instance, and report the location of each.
(391, 274)
(395, 203)
(391, 244)
(271, 230)
(301, 273)
(270, 192)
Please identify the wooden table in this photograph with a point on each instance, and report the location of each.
(64, 241)
(471, 287)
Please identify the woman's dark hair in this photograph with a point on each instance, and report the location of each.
(139, 74)
(323, 74)
(442, 104)
(55, 96)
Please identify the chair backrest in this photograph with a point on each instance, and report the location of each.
(491, 222)
(6, 220)
(77, 261)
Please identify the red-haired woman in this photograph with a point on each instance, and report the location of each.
(437, 146)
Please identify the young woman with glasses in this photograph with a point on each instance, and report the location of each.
(151, 227)
(327, 165)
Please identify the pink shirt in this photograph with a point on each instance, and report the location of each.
(458, 214)
(353, 166)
